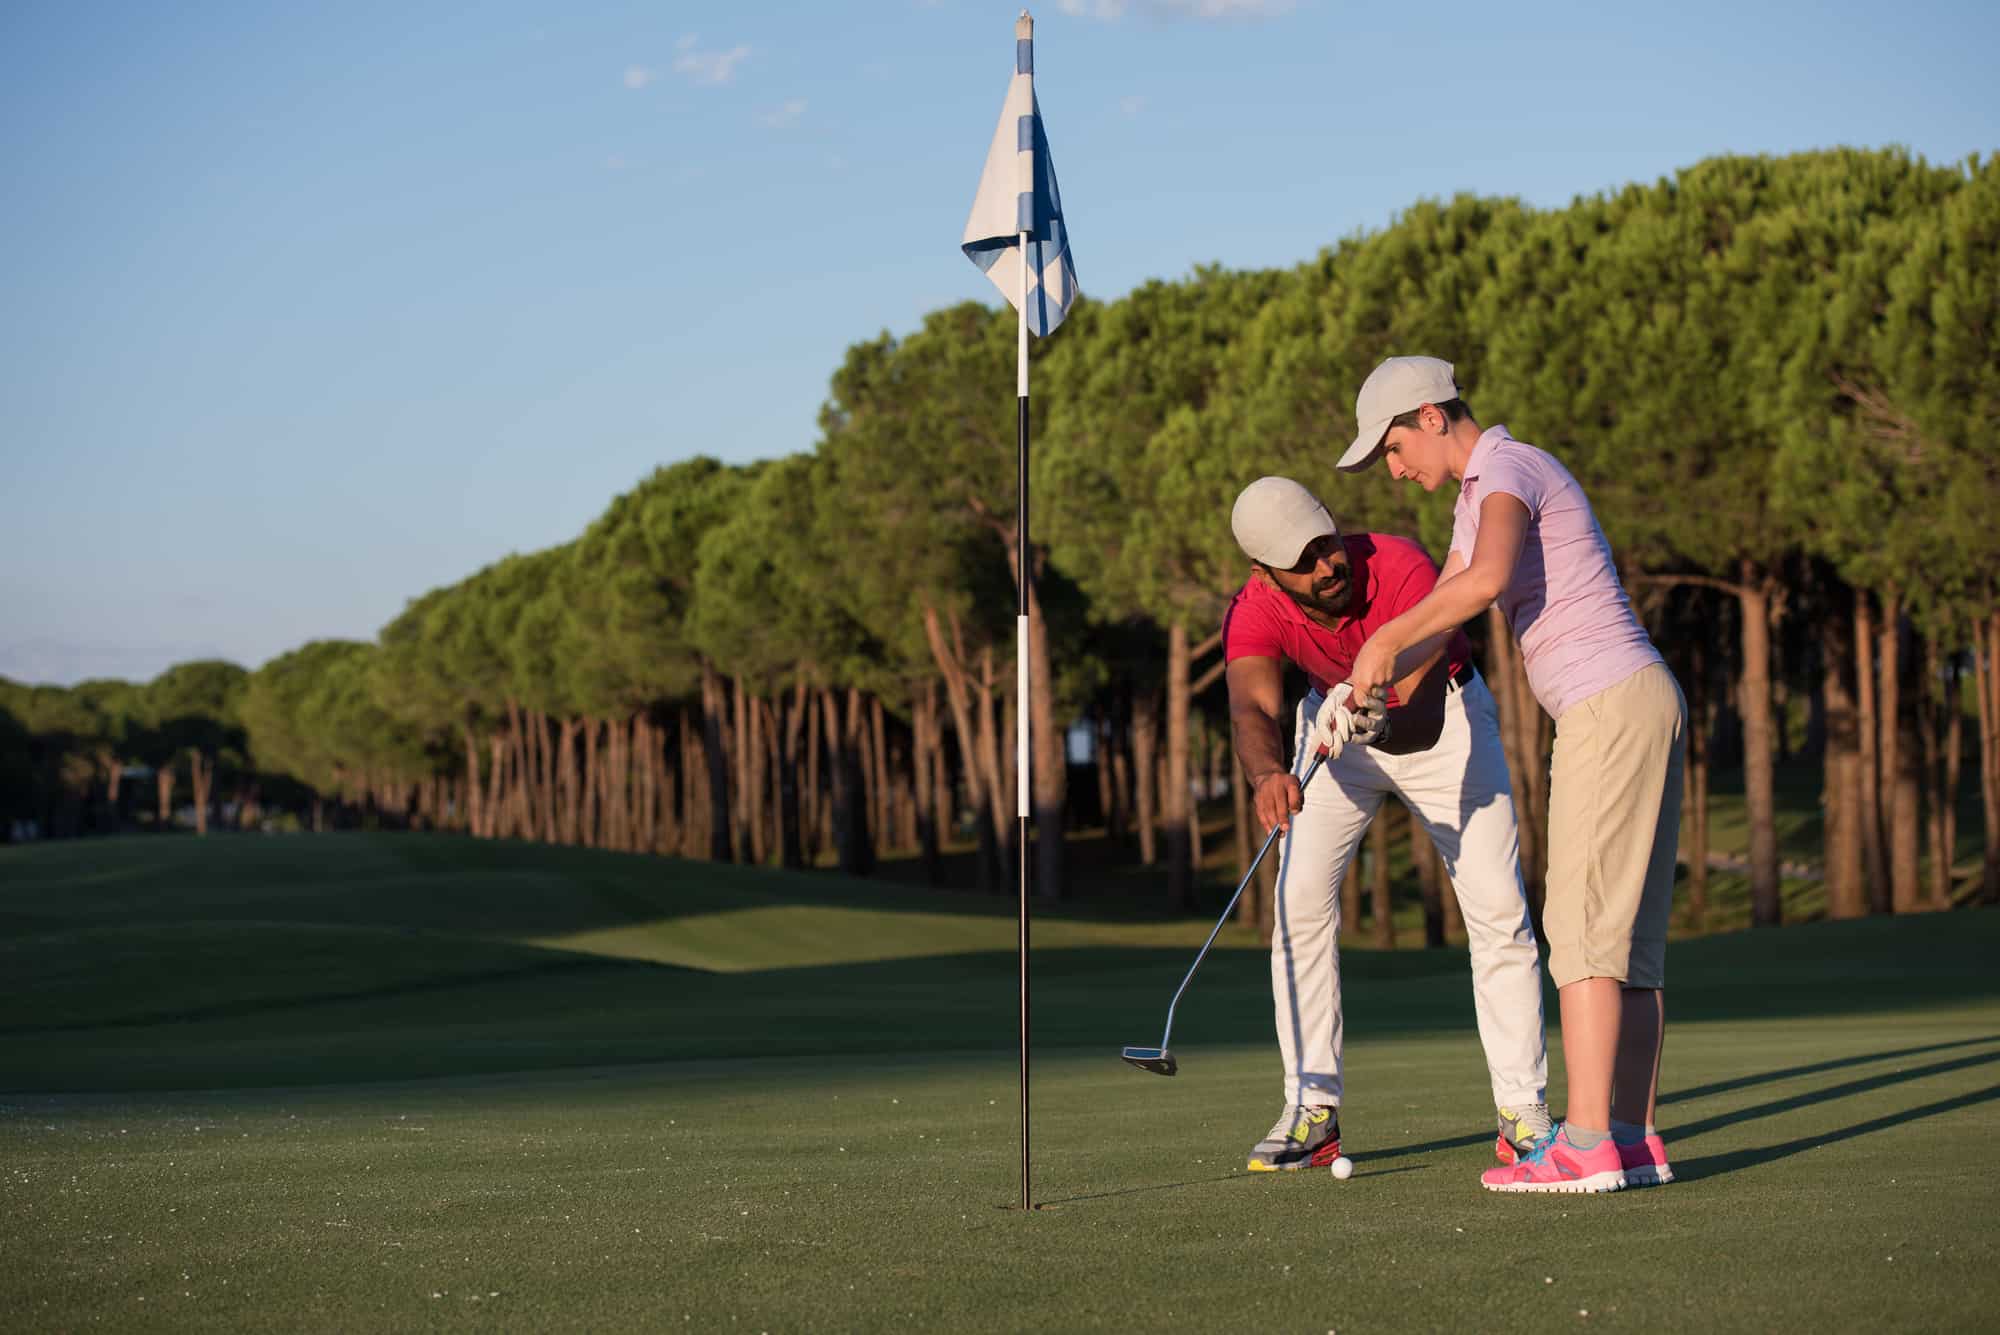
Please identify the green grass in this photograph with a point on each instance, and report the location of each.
(396, 1082)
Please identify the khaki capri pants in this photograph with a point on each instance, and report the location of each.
(1614, 829)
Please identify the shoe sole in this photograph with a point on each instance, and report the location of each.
(1649, 1176)
(1321, 1157)
(1595, 1183)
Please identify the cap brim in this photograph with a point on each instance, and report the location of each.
(1362, 452)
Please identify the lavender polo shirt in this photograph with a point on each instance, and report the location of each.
(1577, 630)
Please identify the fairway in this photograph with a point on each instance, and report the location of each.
(395, 1082)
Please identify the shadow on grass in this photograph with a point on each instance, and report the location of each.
(1677, 1134)
(1140, 1191)
(1817, 1068)
(1716, 1164)
(1842, 1091)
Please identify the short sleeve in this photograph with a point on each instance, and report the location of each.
(1249, 630)
(1512, 472)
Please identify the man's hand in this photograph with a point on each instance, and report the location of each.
(1275, 798)
(1333, 726)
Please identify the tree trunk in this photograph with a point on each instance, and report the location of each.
(1989, 755)
(1930, 784)
(953, 663)
(999, 793)
(163, 788)
(1694, 782)
(927, 759)
(861, 783)
(1174, 781)
(1010, 777)
(201, 778)
(475, 823)
(1107, 810)
(697, 809)
(499, 817)
(1900, 813)
(1378, 881)
(721, 838)
(789, 813)
(881, 811)
(1754, 703)
(1875, 861)
(811, 833)
(1048, 746)
(945, 804)
(1118, 748)
(1249, 909)
(1145, 764)
(1954, 753)
(1846, 891)
(1423, 857)
(1197, 769)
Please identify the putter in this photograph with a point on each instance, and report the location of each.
(1372, 730)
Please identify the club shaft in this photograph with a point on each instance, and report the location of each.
(1230, 908)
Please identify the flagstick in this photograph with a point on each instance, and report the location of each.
(1022, 576)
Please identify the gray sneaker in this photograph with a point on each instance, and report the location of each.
(1302, 1138)
(1521, 1130)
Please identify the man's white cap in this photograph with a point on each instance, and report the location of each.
(1275, 518)
(1396, 386)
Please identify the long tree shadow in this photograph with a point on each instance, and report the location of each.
(1832, 1092)
(1691, 1130)
(1711, 1165)
(1815, 1068)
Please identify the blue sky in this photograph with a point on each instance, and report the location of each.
(309, 308)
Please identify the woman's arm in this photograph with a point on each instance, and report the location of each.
(1457, 597)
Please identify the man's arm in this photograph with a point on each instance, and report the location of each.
(1256, 697)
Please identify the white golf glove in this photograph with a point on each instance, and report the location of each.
(1333, 726)
(1371, 720)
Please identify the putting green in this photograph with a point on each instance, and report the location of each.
(383, 1083)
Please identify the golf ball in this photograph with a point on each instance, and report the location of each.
(1343, 1168)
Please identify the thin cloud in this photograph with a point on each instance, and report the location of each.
(1131, 106)
(784, 115)
(638, 76)
(707, 67)
(1113, 10)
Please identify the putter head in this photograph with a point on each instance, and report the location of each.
(1160, 1061)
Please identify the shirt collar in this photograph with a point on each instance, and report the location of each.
(1483, 448)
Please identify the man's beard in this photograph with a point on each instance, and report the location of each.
(1332, 604)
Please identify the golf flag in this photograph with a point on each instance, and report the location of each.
(1017, 193)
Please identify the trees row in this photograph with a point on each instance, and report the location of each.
(1776, 378)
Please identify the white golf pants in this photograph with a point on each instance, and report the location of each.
(1459, 789)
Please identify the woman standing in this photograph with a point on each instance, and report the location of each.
(1523, 533)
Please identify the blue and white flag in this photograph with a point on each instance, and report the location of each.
(1017, 193)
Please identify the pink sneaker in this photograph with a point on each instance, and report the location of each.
(1646, 1163)
(1557, 1165)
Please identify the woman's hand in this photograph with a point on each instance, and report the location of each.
(1374, 670)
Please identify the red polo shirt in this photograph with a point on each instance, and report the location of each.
(1389, 575)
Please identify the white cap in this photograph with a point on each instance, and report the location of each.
(1395, 387)
(1274, 520)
